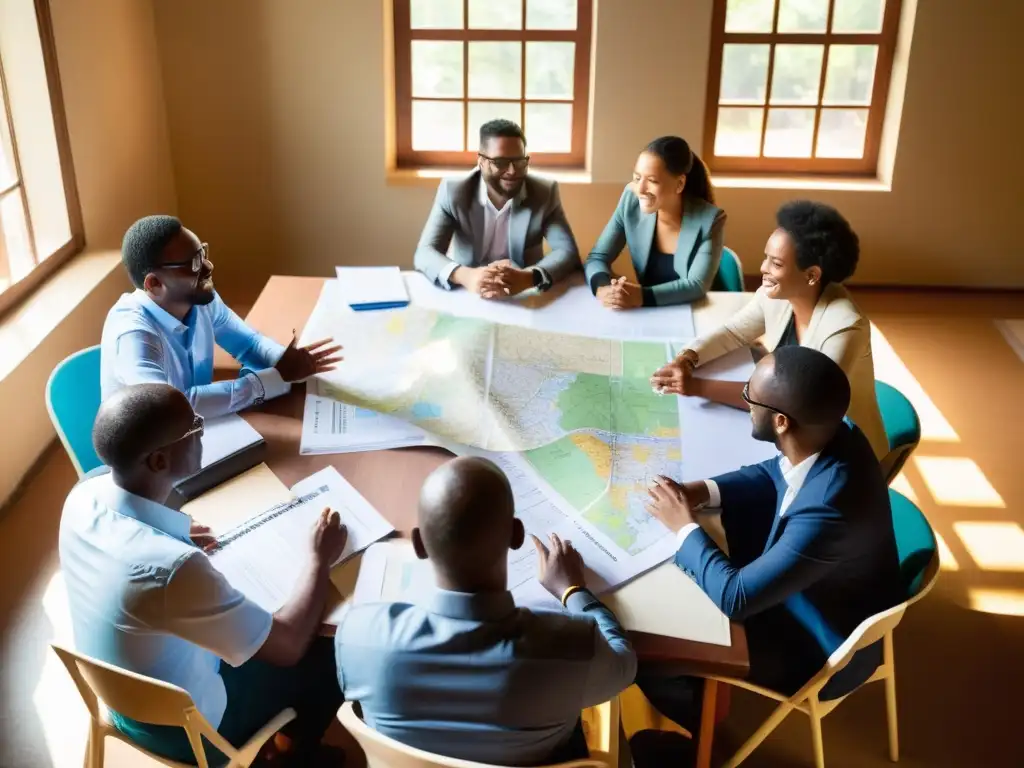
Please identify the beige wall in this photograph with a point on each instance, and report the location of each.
(277, 125)
(113, 94)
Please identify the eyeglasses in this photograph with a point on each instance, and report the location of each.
(745, 394)
(502, 164)
(195, 429)
(195, 264)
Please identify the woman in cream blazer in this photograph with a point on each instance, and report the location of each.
(800, 301)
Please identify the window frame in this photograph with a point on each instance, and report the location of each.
(865, 166)
(408, 158)
(46, 264)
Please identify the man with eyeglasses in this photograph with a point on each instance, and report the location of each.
(166, 330)
(486, 231)
(144, 596)
(812, 552)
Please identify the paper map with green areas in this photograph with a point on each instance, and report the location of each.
(580, 411)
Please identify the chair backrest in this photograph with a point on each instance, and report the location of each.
(919, 566)
(136, 696)
(730, 273)
(902, 427)
(73, 399)
(382, 752)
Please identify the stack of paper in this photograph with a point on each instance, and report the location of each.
(265, 556)
(372, 287)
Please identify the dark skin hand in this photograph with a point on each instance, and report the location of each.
(674, 503)
(561, 566)
(505, 279)
(299, 363)
(202, 536)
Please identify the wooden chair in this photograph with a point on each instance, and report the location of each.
(151, 701)
(382, 752)
(919, 565)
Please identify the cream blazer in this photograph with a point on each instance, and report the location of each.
(837, 328)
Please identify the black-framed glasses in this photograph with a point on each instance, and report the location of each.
(502, 164)
(195, 264)
(745, 394)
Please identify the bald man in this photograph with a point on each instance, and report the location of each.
(145, 597)
(812, 551)
(468, 674)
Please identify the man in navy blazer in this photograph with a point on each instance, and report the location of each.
(812, 552)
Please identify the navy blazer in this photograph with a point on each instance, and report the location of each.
(813, 574)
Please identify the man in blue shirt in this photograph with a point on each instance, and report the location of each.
(166, 329)
(468, 674)
(812, 552)
(144, 597)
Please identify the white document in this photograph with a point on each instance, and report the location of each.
(568, 309)
(370, 286)
(226, 435)
(330, 426)
(265, 556)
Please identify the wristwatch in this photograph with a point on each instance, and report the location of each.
(541, 281)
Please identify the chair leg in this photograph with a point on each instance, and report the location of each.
(817, 743)
(762, 733)
(890, 698)
(94, 746)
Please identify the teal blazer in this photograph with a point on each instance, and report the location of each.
(698, 252)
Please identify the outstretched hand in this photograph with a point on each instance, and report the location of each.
(560, 567)
(299, 363)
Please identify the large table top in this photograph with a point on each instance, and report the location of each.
(390, 480)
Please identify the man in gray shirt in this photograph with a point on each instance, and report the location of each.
(468, 674)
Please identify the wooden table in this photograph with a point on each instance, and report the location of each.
(390, 481)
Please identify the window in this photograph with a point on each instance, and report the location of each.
(40, 226)
(799, 86)
(460, 63)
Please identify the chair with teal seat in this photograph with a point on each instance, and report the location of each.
(902, 427)
(72, 400)
(730, 273)
(919, 568)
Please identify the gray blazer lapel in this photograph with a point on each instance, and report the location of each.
(518, 224)
(476, 222)
(644, 243)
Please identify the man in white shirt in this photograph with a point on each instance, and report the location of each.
(812, 551)
(144, 597)
(486, 231)
(166, 330)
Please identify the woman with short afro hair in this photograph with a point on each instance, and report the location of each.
(801, 301)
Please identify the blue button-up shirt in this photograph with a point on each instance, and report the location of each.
(472, 676)
(143, 343)
(144, 598)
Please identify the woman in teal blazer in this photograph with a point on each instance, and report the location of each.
(674, 231)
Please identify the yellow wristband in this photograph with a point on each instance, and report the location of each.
(570, 592)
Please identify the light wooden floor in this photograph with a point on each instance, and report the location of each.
(960, 653)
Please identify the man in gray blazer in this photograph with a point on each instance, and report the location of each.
(486, 232)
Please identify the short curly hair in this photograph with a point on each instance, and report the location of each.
(823, 238)
(143, 244)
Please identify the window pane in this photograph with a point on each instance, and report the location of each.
(789, 133)
(749, 15)
(8, 172)
(551, 14)
(858, 16)
(435, 14)
(437, 126)
(803, 15)
(16, 244)
(841, 133)
(744, 74)
(549, 70)
(495, 70)
(851, 74)
(548, 127)
(489, 14)
(797, 74)
(482, 111)
(739, 132)
(436, 68)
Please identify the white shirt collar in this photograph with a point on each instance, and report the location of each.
(162, 518)
(795, 476)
